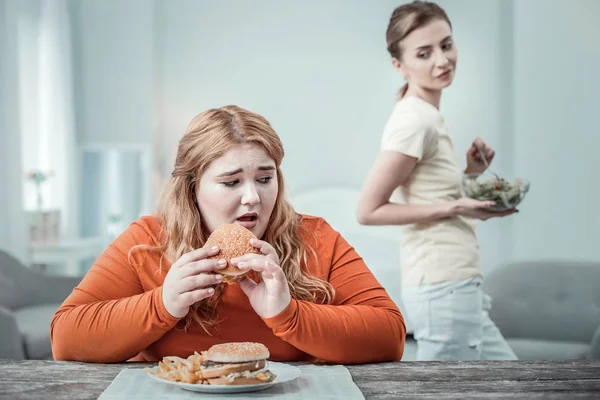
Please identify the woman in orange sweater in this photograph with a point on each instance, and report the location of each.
(152, 292)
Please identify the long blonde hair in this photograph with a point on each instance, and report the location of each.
(208, 136)
(407, 18)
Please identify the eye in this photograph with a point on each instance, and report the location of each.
(447, 46)
(230, 183)
(423, 54)
(265, 179)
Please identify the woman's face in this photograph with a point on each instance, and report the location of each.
(239, 187)
(428, 56)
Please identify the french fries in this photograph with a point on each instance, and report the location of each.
(179, 369)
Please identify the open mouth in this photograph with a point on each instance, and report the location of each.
(250, 217)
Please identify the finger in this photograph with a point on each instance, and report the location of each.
(490, 154)
(483, 204)
(246, 258)
(505, 213)
(478, 142)
(195, 296)
(195, 255)
(266, 267)
(472, 152)
(264, 247)
(199, 282)
(247, 285)
(197, 267)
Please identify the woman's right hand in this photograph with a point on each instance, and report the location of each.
(477, 209)
(190, 279)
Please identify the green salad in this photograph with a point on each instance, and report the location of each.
(506, 195)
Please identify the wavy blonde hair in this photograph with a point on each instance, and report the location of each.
(208, 136)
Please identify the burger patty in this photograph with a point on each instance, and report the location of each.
(212, 369)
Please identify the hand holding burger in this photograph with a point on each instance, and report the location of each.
(244, 253)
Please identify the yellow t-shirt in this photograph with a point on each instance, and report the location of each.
(442, 250)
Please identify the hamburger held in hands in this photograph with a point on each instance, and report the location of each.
(233, 241)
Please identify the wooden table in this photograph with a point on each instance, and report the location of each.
(405, 380)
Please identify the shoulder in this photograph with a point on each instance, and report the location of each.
(319, 235)
(144, 231)
(316, 224)
(410, 113)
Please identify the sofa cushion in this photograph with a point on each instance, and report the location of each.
(547, 300)
(8, 291)
(540, 349)
(34, 324)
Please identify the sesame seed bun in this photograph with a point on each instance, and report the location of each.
(233, 241)
(237, 352)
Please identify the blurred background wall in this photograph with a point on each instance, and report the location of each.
(100, 92)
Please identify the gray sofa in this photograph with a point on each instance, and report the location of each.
(548, 310)
(28, 299)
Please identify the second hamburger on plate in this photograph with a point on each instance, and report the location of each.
(236, 363)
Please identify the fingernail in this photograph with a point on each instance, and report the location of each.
(242, 264)
(218, 277)
(222, 262)
(211, 291)
(214, 248)
(234, 260)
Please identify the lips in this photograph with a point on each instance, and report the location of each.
(445, 74)
(248, 220)
(248, 217)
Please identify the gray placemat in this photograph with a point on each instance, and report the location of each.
(315, 382)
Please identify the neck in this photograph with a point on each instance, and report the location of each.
(433, 97)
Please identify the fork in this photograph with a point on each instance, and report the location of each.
(485, 162)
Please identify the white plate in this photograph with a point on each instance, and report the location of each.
(284, 372)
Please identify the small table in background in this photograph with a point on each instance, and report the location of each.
(69, 253)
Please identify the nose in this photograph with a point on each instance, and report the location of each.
(250, 196)
(441, 60)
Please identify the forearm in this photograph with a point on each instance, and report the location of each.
(342, 334)
(403, 214)
(111, 330)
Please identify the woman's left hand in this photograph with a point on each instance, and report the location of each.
(475, 163)
(272, 295)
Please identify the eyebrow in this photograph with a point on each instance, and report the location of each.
(237, 171)
(429, 46)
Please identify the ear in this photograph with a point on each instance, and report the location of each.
(399, 67)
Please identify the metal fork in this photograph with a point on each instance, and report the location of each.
(485, 162)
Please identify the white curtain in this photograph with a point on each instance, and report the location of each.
(47, 107)
(12, 218)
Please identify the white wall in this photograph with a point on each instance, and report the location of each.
(557, 136)
(113, 59)
(320, 73)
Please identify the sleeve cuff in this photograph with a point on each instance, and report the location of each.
(283, 320)
(418, 154)
(162, 313)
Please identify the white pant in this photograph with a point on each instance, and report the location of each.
(451, 322)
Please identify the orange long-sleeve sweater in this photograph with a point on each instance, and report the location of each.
(116, 313)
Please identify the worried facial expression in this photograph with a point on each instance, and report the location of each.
(239, 187)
